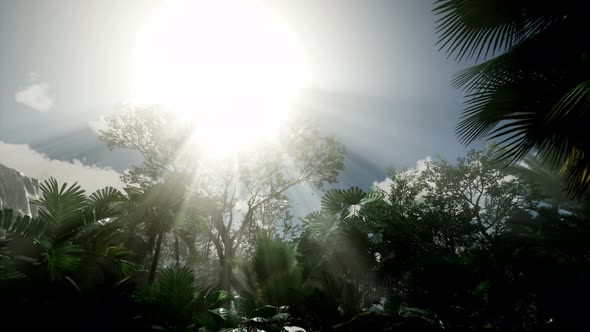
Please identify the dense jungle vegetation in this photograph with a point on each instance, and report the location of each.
(497, 240)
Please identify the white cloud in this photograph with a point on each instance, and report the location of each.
(36, 95)
(385, 185)
(421, 164)
(36, 165)
(98, 124)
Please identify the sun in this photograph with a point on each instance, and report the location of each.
(230, 67)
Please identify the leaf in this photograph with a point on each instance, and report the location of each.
(62, 259)
(22, 226)
(228, 316)
(332, 201)
(482, 288)
(482, 28)
(576, 100)
(352, 196)
(60, 205)
(371, 198)
(102, 202)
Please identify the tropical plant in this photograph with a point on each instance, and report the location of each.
(533, 94)
(548, 183)
(271, 287)
(336, 254)
(435, 267)
(258, 177)
(178, 301)
(157, 210)
(68, 227)
(70, 253)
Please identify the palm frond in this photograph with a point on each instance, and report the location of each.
(62, 259)
(576, 169)
(323, 225)
(21, 225)
(352, 196)
(488, 75)
(482, 28)
(526, 101)
(102, 202)
(576, 100)
(176, 290)
(59, 205)
(332, 201)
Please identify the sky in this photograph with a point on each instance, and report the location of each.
(374, 79)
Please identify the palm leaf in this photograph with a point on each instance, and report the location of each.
(576, 100)
(352, 196)
(59, 205)
(102, 200)
(526, 101)
(21, 226)
(62, 259)
(482, 28)
(576, 170)
(323, 225)
(332, 201)
(230, 318)
(177, 288)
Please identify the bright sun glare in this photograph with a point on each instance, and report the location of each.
(231, 67)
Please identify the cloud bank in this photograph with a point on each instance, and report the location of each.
(36, 95)
(385, 184)
(36, 165)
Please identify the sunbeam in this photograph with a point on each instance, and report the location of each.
(234, 71)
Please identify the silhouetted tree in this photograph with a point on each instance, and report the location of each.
(532, 91)
(241, 194)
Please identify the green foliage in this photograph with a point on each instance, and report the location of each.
(468, 245)
(449, 246)
(527, 101)
(22, 226)
(68, 228)
(61, 207)
(271, 287)
(476, 188)
(479, 28)
(68, 254)
(258, 177)
(147, 131)
(178, 301)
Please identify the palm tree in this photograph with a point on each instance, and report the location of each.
(68, 228)
(549, 184)
(337, 251)
(271, 288)
(68, 264)
(159, 210)
(533, 90)
(178, 301)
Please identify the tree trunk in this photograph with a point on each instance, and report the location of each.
(176, 250)
(226, 274)
(155, 258)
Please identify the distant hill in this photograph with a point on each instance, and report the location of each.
(83, 144)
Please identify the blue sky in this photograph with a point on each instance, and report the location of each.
(379, 85)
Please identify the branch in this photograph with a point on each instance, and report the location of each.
(216, 243)
(251, 208)
(231, 210)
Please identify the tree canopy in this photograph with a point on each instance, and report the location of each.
(494, 240)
